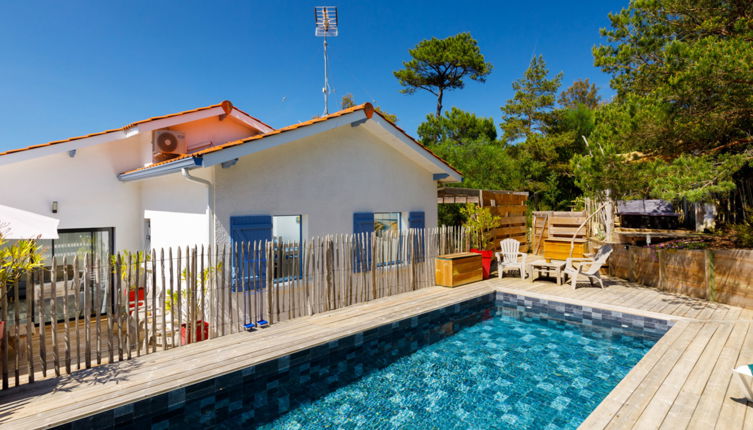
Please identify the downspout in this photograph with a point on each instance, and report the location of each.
(210, 201)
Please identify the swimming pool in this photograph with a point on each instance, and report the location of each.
(497, 361)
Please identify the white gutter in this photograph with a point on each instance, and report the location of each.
(210, 201)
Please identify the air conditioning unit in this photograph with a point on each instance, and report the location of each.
(169, 142)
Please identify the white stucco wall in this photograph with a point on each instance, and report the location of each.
(90, 195)
(86, 188)
(326, 178)
(176, 209)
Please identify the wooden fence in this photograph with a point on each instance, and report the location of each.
(70, 316)
(511, 207)
(720, 275)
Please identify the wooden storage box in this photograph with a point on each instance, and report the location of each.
(560, 250)
(457, 269)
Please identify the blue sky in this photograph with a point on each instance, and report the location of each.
(76, 67)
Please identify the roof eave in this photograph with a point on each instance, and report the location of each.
(257, 145)
(442, 172)
(162, 169)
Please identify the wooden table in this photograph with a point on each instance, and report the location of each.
(549, 269)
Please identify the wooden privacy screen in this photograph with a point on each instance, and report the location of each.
(720, 275)
(552, 233)
(511, 207)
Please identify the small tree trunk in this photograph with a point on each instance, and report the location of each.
(439, 102)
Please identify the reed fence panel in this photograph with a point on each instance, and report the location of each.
(86, 312)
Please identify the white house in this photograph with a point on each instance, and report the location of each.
(216, 174)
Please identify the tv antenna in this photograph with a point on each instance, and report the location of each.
(325, 18)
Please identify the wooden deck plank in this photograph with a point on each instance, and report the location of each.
(603, 414)
(712, 399)
(732, 414)
(632, 408)
(657, 407)
(682, 408)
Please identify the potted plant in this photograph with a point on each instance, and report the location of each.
(15, 260)
(479, 224)
(185, 299)
(136, 287)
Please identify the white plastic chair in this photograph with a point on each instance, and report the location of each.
(745, 376)
(592, 272)
(507, 258)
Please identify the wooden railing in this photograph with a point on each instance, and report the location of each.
(86, 311)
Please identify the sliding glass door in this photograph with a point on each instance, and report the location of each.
(90, 249)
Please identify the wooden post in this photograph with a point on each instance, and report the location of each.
(98, 307)
(660, 258)
(221, 290)
(53, 318)
(163, 298)
(235, 323)
(192, 289)
(179, 299)
(154, 303)
(30, 292)
(127, 300)
(77, 285)
(203, 291)
(108, 305)
(269, 279)
(42, 331)
(17, 331)
(171, 272)
(136, 305)
(710, 266)
(118, 296)
(5, 336)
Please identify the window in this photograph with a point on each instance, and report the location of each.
(286, 232)
(387, 230)
(286, 228)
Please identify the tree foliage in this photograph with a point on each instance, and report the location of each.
(543, 136)
(479, 222)
(684, 105)
(456, 126)
(581, 92)
(16, 258)
(528, 110)
(438, 65)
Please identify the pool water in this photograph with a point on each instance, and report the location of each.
(514, 370)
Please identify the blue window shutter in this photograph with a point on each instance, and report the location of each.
(363, 222)
(245, 230)
(418, 220)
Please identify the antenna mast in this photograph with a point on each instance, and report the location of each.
(325, 18)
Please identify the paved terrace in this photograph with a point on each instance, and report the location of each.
(683, 382)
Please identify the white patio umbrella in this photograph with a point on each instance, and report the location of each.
(21, 224)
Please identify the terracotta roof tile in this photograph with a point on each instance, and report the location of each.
(367, 107)
(225, 104)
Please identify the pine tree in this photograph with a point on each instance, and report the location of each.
(527, 112)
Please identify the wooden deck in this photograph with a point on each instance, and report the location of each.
(684, 381)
